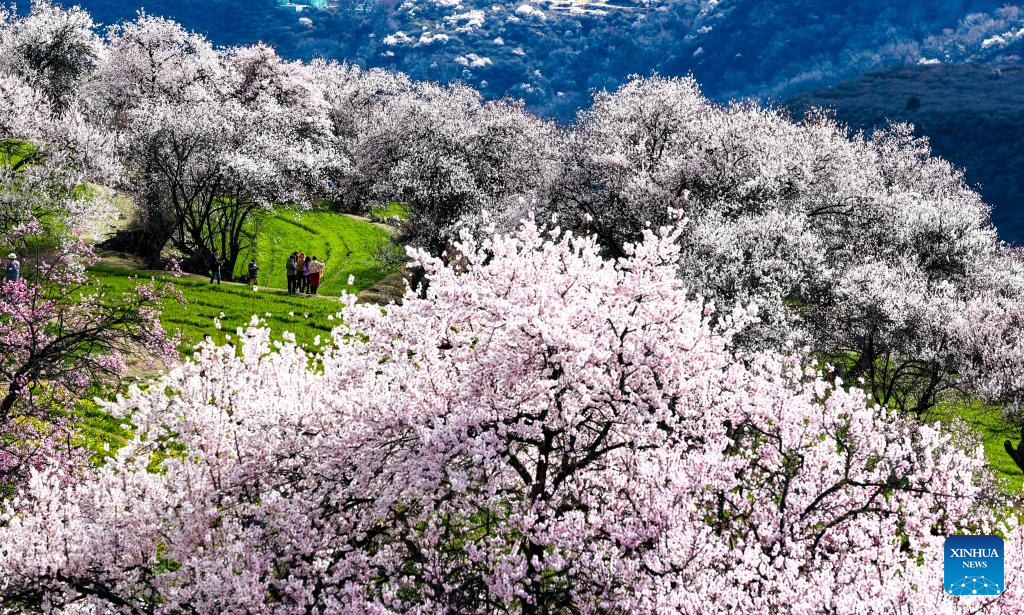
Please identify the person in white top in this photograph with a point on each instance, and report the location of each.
(316, 268)
(12, 270)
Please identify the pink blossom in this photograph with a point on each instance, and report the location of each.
(545, 429)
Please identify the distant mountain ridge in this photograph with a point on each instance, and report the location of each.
(972, 114)
(552, 53)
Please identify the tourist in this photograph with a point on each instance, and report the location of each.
(305, 275)
(12, 270)
(291, 268)
(300, 272)
(254, 273)
(316, 268)
(215, 265)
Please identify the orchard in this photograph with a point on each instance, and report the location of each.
(676, 357)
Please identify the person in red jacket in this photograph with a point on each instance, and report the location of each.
(316, 268)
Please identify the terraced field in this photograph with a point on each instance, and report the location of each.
(347, 245)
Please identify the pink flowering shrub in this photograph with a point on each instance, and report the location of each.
(60, 335)
(544, 431)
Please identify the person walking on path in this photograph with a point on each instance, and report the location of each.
(12, 270)
(300, 272)
(290, 268)
(316, 268)
(305, 274)
(215, 265)
(254, 273)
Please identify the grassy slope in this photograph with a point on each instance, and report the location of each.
(391, 210)
(988, 422)
(100, 433)
(347, 246)
(306, 317)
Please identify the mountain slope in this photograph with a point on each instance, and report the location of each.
(551, 53)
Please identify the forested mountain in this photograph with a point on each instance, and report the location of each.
(552, 53)
(970, 113)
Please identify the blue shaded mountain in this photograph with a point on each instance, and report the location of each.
(552, 53)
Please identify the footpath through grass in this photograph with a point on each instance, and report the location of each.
(345, 244)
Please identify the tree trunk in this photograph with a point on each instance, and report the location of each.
(8, 403)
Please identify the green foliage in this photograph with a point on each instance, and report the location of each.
(13, 152)
(346, 245)
(100, 433)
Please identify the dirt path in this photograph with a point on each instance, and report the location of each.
(386, 291)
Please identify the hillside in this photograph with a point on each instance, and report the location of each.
(348, 246)
(970, 113)
(676, 356)
(552, 53)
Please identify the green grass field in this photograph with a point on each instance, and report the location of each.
(391, 210)
(988, 422)
(233, 305)
(346, 245)
(100, 433)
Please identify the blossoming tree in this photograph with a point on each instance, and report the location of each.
(209, 138)
(452, 156)
(545, 431)
(869, 250)
(51, 47)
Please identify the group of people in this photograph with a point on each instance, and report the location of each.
(304, 273)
